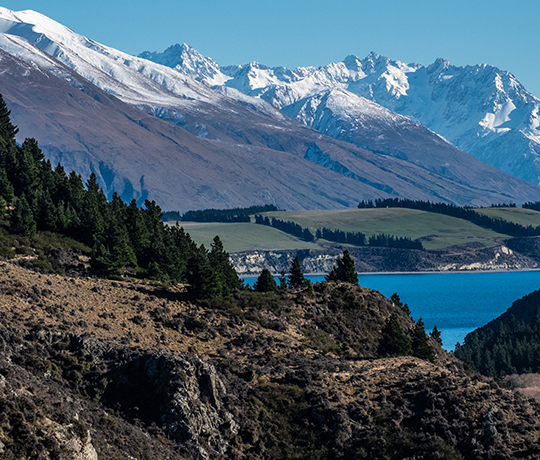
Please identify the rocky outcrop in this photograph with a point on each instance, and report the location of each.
(469, 257)
(181, 393)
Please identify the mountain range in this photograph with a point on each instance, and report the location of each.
(480, 109)
(178, 128)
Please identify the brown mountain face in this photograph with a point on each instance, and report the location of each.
(93, 368)
(246, 158)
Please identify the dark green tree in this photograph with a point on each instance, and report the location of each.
(282, 280)
(6, 189)
(22, 219)
(265, 282)
(93, 213)
(420, 344)
(7, 129)
(203, 281)
(398, 303)
(344, 271)
(393, 341)
(48, 215)
(221, 264)
(435, 334)
(295, 278)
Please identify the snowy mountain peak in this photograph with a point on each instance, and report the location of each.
(352, 62)
(440, 65)
(189, 61)
(481, 109)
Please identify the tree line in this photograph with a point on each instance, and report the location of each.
(218, 215)
(339, 236)
(121, 236)
(461, 212)
(286, 226)
(506, 347)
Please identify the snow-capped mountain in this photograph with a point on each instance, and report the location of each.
(481, 109)
(148, 130)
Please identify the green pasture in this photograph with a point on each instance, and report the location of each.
(519, 216)
(244, 237)
(436, 231)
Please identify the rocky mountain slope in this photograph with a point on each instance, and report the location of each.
(480, 109)
(147, 130)
(103, 369)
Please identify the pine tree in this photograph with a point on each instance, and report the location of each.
(265, 282)
(6, 189)
(420, 344)
(282, 280)
(22, 220)
(296, 277)
(221, 264)
(203, 281)
(48, 213)
(393, 341)
(435, 334)
(93, 214)
(398, 303)
(344, 271)
(7, 129)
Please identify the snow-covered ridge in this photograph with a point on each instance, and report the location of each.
(135, 80)
(481, 109)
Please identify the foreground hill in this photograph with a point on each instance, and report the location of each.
(147, 130)
(105, 369)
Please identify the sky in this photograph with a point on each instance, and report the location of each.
(294, 33)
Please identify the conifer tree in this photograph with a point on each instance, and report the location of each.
(397, 301)
(420, 344)
(7, 129)
(393, 341)
(221, 264)
(203, 282)
(6, 189)
(25, 172)
(93, 213)
(48, 213)
(435, 334)
(344, 271)
(296, 277)
(282, 280)
(76, 192)
(22, 219)
(265, 282)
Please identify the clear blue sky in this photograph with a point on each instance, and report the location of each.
(314, 32)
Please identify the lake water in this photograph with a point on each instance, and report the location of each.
(456, 302)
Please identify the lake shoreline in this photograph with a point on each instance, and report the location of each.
(422, 272)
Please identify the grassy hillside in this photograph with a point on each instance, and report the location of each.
(435, 230)
(245, 237)
(519, 216)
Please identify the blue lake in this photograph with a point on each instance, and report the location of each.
(456, 302)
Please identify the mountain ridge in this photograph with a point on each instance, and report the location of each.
(481, 109)
(188, 146)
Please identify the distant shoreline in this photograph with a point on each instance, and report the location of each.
(423, 272)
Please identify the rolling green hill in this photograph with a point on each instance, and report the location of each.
(245, 237)
(436, 231)
(519, 216)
